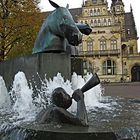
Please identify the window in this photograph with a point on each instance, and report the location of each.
(91, 12)
(113, 44)
(87, 67)
(95, 12)
(109, 67)
(113, 9)
(98, 12)
(128, 31)
(86, 22)
(103, 45)
(109, 22)
(90, 45)
(105, 23)
(91, 23)
(95, 22)
(118, 8)
(131, 50)
(99, 22)
(94, 1)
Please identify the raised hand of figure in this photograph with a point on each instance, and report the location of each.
(78, 95)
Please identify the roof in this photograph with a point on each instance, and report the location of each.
(130, 27)
(76, 12)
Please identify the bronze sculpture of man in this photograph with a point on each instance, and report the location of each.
(57, 112)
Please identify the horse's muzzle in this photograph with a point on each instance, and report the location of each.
(75, 39)
(73, 35)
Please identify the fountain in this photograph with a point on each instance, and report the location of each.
(109, 118)
(4, 98)
(26, 84)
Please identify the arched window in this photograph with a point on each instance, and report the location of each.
(95, 13)
(99, 22)
(109, 22)
(91, 23)
(95, 22)
(98, 12)
(105, 23)
(109, 67)
(91, 12)
(113, 44)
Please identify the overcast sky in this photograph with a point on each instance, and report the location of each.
(45, 6)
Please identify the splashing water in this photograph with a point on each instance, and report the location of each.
(21, 95)
(23, 103)
(92, 96)
(4, 97)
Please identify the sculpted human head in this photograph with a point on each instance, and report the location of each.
(61, 99)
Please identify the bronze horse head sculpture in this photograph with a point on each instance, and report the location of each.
(58, 31)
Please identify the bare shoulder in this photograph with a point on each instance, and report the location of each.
(59, 109)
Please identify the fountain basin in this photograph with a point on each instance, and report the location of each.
(109, 117)
(65, 132)
(120, 122)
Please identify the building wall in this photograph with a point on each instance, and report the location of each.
(111, 40)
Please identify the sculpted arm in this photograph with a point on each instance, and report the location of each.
(78, 96)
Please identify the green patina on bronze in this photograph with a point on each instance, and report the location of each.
(58, 31)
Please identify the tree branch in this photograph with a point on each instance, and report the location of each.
(10, 44)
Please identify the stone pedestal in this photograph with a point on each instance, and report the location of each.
(41, 63)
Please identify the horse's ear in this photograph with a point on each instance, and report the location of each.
(67, 6)
(54, 4)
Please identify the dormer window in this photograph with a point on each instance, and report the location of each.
(131, 50)
(104, 10)
(128, 31)
(118, 8)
